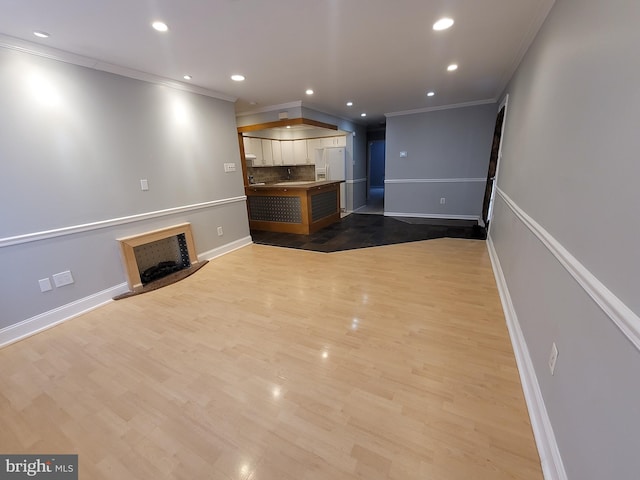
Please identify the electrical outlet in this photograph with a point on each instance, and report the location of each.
(553, 357)
(229, 167)
(63, 278)
(403, 154)
(45, 285)
(220, 232)
(443, 201)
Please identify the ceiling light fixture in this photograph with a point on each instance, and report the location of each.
(237, 78)
(452, 68)
(363, 114)
(288, 126)
(160, 26)
(309, 92)
(349, 104)
(187, 77)
(40, 34)
(443, 24)
(430, 94)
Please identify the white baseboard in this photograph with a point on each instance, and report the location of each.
(224, 249)
(432, 215)
(43, 321)
(552, 466)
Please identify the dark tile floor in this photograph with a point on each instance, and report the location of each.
(360, 231)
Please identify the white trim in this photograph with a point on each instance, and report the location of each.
(19, 45)
(441, 107)
(503, 104)
(435, 180)
(58, 232)
(271, 108)
(43, 321)
(432, 215)
(551, 461)
(357, 180)
(224, 249)
(618, 312)
(46, 320)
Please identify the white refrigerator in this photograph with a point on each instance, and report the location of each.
(334, 164)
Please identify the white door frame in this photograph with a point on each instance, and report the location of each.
(504, 103)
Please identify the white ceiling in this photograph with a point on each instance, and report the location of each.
(382, 55)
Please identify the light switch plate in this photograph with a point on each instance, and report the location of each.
(144, 185)
(229, 167)
(403, 154)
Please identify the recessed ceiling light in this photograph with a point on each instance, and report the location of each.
(452, 68)
(237, 78)
(349, 104)
(363, 114)
(430, 94)
(443, 24)
(40, 34)
(187, 77)
(160, 26)
(309, 92)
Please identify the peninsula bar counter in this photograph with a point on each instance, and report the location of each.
(293, 207)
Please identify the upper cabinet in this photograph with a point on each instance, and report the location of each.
(276, 149)
(267, 153)
(289, 152)
(300, 156)
(340, 141)
(254, 146)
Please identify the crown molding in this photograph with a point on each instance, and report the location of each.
(23, 46)
(441, 107)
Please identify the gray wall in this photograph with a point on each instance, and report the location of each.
(447, 157)
(74, 144)
(570, 162)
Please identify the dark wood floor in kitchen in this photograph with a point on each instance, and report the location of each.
(360, 231)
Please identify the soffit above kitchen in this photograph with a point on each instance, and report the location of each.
(291, 129)
(383, 56)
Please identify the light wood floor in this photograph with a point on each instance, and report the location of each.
(276, 364)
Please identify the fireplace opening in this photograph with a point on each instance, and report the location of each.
(161, 258)
(158, 258)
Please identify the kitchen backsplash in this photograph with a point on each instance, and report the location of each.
(280, 174)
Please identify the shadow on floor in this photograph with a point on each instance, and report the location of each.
(375, 202)
(360, 231)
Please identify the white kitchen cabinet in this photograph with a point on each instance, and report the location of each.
(276, 150)
(340, 141)
(314, 147)
(300, 152)
(287, 152)
(267, 152)
(254, 146)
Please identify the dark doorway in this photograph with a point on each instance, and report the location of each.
(487, 205)
(375, 181)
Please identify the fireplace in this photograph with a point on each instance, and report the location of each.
(157, 258)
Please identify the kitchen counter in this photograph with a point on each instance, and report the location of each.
(293, 207)
(303, 185)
